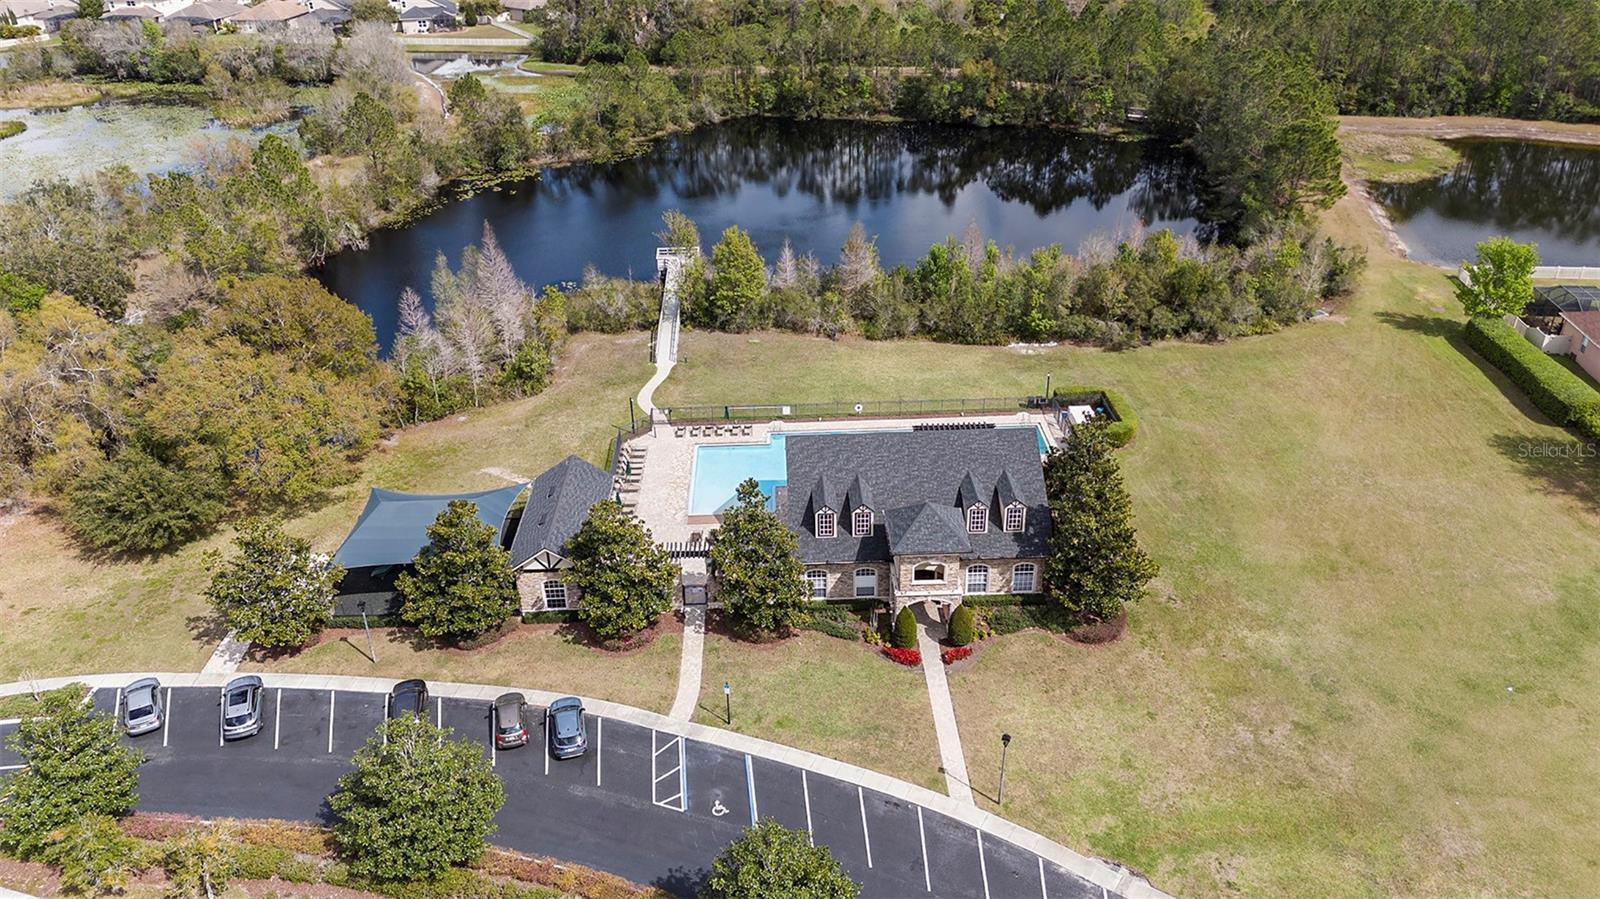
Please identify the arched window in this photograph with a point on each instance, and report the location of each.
(1016, 514)
(928, 572)
(555, 595)
(1023, 578)
(818, 580)
(825, 523)
(977, 579)
(866, 582)
(977, 518)
(861, 522)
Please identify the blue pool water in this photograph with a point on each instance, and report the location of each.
(719, 469)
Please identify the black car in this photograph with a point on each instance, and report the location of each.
(409, 697)
(563, 724)
(510, 721)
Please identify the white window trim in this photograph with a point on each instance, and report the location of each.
(826, 515)
(856, 518)
(550, 588)
(1032, 572)
(861, 573)
(1022, 518)
(817, 580)
(974, 512)
(976, 569)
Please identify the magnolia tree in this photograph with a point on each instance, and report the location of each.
(624, 579)
(274, 591)
(758, 570)
(771, 860)
(462, 584)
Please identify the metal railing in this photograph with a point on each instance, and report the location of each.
(848, 409)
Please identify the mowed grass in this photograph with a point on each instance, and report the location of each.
(1369, 665)
(65, 612)
(835, 697)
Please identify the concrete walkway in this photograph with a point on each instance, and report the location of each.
(694, 645)
(1097, 871)
(227, 656)
(952, 760)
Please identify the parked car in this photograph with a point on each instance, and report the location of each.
(142, 709)
(241, 707)
(409, 697)
(563, 726)
(510, 721)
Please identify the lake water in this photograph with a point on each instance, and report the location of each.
(910, 185)
(146, 137)
(1546, 194)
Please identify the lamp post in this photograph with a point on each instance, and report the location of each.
(727, 699)
(371, 653)
(1005, 743)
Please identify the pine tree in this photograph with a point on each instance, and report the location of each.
(1096, 565)
(757, 566)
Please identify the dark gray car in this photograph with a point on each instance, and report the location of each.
(241, 707)
(510, 721)
(563, 726)
(142, 708)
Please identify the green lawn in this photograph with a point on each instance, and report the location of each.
(1369, 665)
(63, 612)
(835, 697)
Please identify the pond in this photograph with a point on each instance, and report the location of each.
(1548, 194)
(145, 137)
(910, 185)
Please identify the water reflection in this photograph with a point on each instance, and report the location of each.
(1544, 193)
(910, 185)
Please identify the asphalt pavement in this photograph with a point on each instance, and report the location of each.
(647, 805)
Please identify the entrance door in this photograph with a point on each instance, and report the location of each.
(694, 594)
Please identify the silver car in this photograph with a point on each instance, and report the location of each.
(142, 710)
(241, 707)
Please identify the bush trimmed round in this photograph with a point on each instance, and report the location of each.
(963, 626)
(905, 629)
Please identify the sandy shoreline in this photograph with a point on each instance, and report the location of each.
(1473, 126)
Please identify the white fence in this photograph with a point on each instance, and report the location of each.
(445, 40)
(1567, 272)
(1554, 344)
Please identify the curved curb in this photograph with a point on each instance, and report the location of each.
(1100, 873)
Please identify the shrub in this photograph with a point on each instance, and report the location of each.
(1009, 619)
(771, 860)
(963, 624)
(550, 616)
(911, 658)
(905, 629)
(134, 504)
(956, 654)
(1125, 424)
(835, 621)
(1557, 392)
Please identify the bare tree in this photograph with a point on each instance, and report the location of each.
(858, 261)
(972, 245)
(786, 273)
(502, 294)
(373, 60)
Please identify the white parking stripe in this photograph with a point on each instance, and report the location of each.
(331, 697)
(277, 720)
(922, 837)
(547, 749)
(221, 710)
(116, 710)
(599, 747)
(683, 778)
(750, 785)
(438, 715)
(861, 797)
(805, 788)
(166, 720)
(1044, 891)
(983, 867)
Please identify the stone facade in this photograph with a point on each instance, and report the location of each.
(530, 586)
(896, 584)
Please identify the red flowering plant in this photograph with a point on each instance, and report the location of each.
(955, 654)
(908, 657)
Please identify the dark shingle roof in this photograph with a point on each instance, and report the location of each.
(557, 506)
(902, 471)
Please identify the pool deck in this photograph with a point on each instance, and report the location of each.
(664, 485)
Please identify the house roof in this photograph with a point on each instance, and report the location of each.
(557, 506)
(425, 12)
(1550, 300)
(38, 9)
(1587, 323)
(133, 12)
(523, 5)
(332, 16)
(272, 11)
(918, 484)
(208, 11)
(394, 526)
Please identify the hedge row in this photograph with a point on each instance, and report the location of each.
(550, 616)
(1557, 392)
(1122, 430)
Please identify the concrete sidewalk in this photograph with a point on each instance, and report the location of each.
(952, 760)
(689, 667)
(1096, 871)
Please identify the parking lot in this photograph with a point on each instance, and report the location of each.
(644, 804)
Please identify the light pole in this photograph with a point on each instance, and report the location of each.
(371, 653)
(727, 699)
(1005, 743)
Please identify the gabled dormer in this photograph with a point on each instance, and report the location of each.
(1013, 512)
(863, 514)
(826, 502)
(974, 509)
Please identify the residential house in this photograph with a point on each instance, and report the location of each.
(921, 516)
(207, 15)
(1556, 318)
(273, 14)
(428, 16)
(133, 12)
(46, 15)
(517, 10)
(558, 503)
(1585, 331)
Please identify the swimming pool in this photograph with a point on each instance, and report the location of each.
(719, 469)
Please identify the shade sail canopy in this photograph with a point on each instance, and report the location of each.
(393, 527)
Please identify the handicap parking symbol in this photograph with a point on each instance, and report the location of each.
(718, 809)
